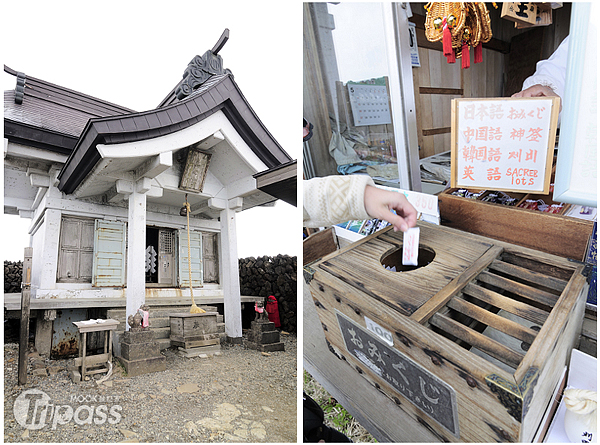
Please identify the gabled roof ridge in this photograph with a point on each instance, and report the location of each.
(46, 87)
(221, 93)
(217, 78)
(199, 71)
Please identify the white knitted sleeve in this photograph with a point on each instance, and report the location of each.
(334, 199)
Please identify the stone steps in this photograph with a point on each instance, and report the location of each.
(163, 343)
(157, 312)
(264, 337)
(161, 332)
(159, 322)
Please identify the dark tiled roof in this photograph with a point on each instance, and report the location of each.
(50, 114)
(219, 93)
(62, 120)
(69, 98)
(45, 115)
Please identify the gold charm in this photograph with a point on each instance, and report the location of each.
(451, 21)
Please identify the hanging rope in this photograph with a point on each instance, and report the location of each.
(580, 401)
(194, 309)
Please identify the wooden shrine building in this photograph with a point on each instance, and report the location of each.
(103, 187)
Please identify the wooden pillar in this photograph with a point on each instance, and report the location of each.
(46, 269)
(230, 271)
(136, 247)
(25, 304)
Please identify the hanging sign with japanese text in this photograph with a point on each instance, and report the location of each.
(504, 143)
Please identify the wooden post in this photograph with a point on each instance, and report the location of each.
(25, 303)
(136, 251)
(84, 345)
(230, 268)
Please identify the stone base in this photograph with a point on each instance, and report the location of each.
(263, 337)
(271, 347)
(262, 326)
(196, 341)
(140, 353)
(137, 336)
(137, 351)
(43, 335)
(189, 325)
(235, 340)
(74, 374)
(201, 351)
(144, 366)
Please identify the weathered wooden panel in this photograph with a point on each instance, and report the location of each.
(362, 267)
(75, 260)
(436, 83)
(195, 249)
(210, 257)
(194, 172)
(551, 233)
(316, 102)
(109, 254)
(318, 245)
(189, 325)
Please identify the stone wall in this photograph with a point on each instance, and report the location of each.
(13, 272)
(264, 276)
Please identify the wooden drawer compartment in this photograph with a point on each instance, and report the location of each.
(422, 335)
(552, 233)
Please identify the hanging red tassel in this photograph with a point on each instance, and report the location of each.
(452, 57)
(466, 58)
(478, 54)
(446, 39)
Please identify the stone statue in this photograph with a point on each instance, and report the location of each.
(139, 321)
(261, 312)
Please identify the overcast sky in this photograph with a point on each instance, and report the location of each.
(133, 53)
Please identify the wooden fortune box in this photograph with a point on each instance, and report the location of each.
(470, 344)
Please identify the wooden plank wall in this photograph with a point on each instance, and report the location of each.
(436, 82)
(314, 106)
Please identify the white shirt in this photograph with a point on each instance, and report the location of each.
(551, 72)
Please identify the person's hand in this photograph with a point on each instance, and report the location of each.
(379, 203)
(537, 91)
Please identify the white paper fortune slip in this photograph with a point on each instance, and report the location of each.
(410, 249)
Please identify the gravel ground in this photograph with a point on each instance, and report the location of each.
(241, 395)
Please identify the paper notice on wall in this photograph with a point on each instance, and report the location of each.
(414, 49)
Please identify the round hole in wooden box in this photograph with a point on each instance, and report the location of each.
(393, 260)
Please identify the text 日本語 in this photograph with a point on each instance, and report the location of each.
(503, 144)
